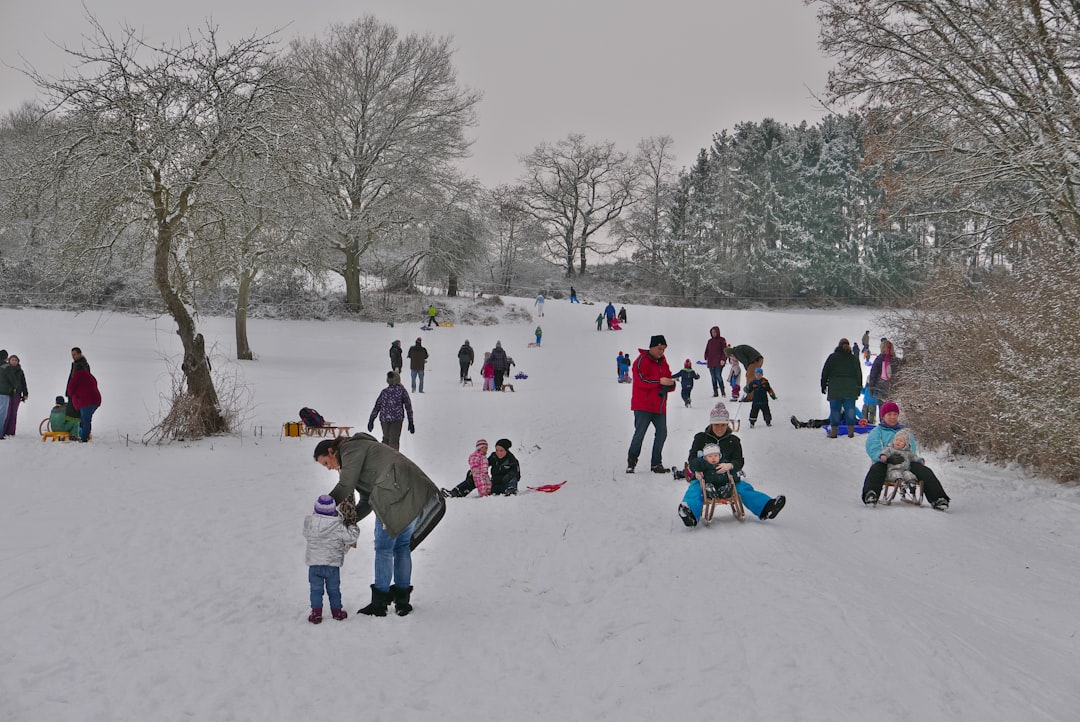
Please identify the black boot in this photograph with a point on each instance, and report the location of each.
(401, 599)
(379, 600)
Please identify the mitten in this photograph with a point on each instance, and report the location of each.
(371, 425)
(412, 429)
(773, 396)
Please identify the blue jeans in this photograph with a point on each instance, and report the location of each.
(393, 559)
(86, 413)
(416, 373)
(752, 499)
(846, 406)
(716, 373)
(320, 575)
(642, 419)
(4, 401)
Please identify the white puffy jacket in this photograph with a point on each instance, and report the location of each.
(327, 539)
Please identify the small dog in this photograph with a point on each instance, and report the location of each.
(508, 387)
(534, 345)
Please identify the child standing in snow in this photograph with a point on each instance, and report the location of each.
(734, 377)
(898, 455)
(488, 372)
(479, 476)
(327, 541)
(758, 393)
(600, 321)
(686, 377)
(539, 332)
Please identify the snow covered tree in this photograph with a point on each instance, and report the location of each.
(576, 188)
(385, 119)
(145, 128)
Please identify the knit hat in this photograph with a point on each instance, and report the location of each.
(505, 443)
(397, 342)
(889, 407)
(60, 400)
(710, 449)
(392, 377)
(758, 372)
(325, 505)
(481, 442)
(687, 363)
(418, 339)
(719, 414)
(657, 340)
(903, 435)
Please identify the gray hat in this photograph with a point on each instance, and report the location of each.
(392, 377)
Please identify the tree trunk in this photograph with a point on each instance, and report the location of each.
(196, 367)
(351, 274)
(568, 240)
(243, 350)
(452, 286)
(581, 270)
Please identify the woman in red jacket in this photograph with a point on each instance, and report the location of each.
(82, 389)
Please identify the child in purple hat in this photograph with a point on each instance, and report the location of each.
(327, 541)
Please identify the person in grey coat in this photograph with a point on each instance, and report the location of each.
(407, 506)
(841, 382)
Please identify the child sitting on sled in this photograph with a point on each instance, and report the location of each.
(898, 455)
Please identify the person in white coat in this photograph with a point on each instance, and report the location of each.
(539, 305)
(327, 541)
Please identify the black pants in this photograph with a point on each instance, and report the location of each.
(932, 488)
(466, 486)
(504, 484)
(464, 369)
(499, 379)
(763, 407)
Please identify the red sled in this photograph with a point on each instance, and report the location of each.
(547, 487)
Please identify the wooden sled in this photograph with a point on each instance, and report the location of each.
(47, 434)
(328, 430)
(709, 508)
(911, 492)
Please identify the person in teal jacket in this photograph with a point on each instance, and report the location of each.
(60, 421)
(877, 448)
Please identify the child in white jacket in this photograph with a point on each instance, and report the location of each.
(327, 541)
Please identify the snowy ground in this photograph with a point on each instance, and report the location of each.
(168, 583)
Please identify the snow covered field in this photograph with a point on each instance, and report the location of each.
(146, 583)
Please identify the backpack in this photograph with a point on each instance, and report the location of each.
(311, 417)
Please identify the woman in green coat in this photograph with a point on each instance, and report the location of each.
(407, 506)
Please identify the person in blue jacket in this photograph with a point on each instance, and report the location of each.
(877, 448)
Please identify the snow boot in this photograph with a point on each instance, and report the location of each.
(339, 614)
(941, 504)
(630, 464)
(401, 599)
(316, 615)
(795, 422)
(870, 498)
(687, 515)
(660, 469)
(832, 432)
(379, 600)
(772, 508)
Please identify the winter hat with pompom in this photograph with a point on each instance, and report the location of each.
(481, 443)
(719, 414)
(325, 505)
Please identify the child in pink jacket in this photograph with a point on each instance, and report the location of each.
(488, 372)
(479, 476)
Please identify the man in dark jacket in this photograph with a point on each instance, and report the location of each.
(749, 357)
(418, 356)
(841, 381)
(465, 357)
(500, 364)
(395, 356)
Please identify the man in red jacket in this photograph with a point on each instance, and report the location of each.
(652, 381)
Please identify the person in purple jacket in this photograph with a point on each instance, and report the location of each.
(391, 407)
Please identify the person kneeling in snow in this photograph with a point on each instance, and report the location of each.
(718, 433)
(505, 469)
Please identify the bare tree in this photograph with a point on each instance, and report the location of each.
(146, 127)
(983, 92)
(575, 189)
(385, 119)
(515, 233)
(647, 224)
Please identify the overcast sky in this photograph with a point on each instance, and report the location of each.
(617, 70)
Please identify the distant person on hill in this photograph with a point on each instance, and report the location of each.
(392, 405)
(609, 314)
(622, 314)
(622, 363)
(539, 303)
(500, 364)
(487, 372)
(395, 356)
(600, 321)
(465, 357)
(715, 359)
(651, 378)
(83, 391)
(432, 322)
(418, 356)
(718, 435)
(327, 541)
(686, 376)
(573, 296)
(539, 334)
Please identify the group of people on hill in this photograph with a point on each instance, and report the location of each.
(73, 415)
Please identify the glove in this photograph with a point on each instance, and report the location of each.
(371, 425)
(412, 429)
(824, 390)
(774, 397)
